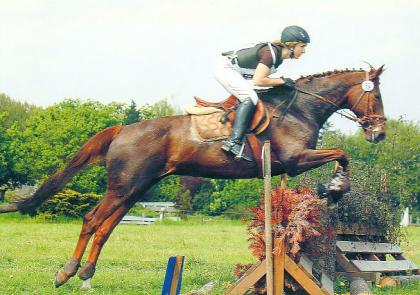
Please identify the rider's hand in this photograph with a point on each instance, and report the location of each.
(289, 83)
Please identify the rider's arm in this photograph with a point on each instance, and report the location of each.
(261, 77)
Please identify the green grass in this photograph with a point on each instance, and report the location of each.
(134, 259)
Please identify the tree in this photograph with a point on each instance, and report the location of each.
(15, 112)
(9, 177)
(163, 108)
(398, 156)
(160, 108)
(53, 135)
(4, 158)
(11, 113)
(132, 115)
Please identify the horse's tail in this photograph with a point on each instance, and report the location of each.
(93, 150)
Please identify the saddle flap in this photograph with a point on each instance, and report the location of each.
(259, 118)
(258, 115)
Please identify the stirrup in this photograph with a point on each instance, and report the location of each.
(241, 155)
(227, 145)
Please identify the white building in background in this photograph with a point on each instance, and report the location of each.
(405, 218)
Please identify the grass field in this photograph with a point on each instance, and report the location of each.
(134, 259)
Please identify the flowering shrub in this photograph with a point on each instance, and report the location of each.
(295, 217)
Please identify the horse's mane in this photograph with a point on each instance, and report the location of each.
(327, 74)
(309, 83)
(306, 79)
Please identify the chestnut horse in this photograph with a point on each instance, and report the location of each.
(139, 155)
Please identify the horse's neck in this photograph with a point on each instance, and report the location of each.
(315, 110)
(319, 110)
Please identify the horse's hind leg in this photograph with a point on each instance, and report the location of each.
(91, 222)
(101, 236)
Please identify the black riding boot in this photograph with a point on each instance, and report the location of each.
(243, 115)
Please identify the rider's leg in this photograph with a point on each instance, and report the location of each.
(242, 117)
(226, 74)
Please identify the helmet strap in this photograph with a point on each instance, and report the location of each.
(292, 52)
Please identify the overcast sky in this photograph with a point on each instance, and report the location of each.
(150, 49)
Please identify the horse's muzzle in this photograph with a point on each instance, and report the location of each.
(374, 136)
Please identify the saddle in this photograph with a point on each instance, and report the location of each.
(258, 123)
(212, 121)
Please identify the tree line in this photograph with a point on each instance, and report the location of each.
(36, 141)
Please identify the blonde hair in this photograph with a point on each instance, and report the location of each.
(280, 43)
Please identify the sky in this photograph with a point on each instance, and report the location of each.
(147, 50)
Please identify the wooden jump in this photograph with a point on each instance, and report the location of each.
(274, 266)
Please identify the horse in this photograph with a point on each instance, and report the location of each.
(137, 156)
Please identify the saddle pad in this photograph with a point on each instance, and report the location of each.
(209, 128)
(198, 110)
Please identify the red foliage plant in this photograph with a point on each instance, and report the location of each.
(295, 217)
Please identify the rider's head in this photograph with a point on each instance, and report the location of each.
(295, 39)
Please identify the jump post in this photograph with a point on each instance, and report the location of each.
(274, 266)
(173, 276)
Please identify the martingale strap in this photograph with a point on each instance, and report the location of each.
(256, 149)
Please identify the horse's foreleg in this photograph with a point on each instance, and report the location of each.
(91, 223)
(310, 159)
(101, 236)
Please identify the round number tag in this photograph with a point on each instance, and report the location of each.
(367, 85)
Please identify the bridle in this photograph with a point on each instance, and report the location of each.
(369, 119)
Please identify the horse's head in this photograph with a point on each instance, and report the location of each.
(364, 99)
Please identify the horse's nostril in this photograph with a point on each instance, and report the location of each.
(380, 137)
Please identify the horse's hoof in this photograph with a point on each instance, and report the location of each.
(69, 270)
(332, 196)
(322, 190)
(340, 183)
(87, 271)
(60, 278)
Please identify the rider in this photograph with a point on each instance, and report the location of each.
(235, 69)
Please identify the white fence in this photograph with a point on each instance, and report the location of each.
(161, 207)
(138, 220)
(408, 219)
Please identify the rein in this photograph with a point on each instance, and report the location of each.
(342, 113)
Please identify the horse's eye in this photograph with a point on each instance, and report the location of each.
(377, 96)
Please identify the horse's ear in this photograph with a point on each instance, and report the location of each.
(379, 71)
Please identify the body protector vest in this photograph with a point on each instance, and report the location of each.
(245, 60)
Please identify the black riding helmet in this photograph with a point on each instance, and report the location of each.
(295, 34)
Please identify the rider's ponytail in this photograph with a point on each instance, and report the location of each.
(284, 44)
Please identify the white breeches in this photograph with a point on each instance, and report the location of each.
(228, 75)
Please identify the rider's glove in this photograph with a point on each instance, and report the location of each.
(289, 83)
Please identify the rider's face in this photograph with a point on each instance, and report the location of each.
(299, 50)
